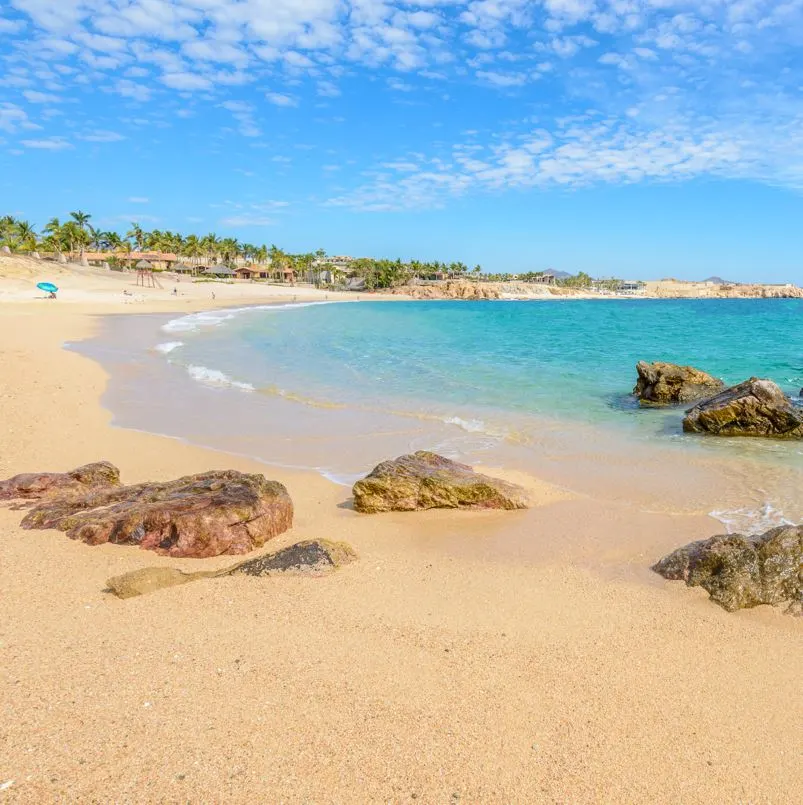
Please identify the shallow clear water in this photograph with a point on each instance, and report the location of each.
(571, 360)
(539, 386)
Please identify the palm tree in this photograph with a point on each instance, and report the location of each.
(138, 235)
(26, 235)
(82, 220)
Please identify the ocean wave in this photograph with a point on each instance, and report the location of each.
(168, 346)
(751, 521)
(468, 425)
(207, 319)
(214, 377)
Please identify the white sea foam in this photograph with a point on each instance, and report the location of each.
(214, 377)
(168, 346)
(468, 425)
(751, 521)
(207, 319)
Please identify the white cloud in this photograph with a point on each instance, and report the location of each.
(138, 200)
(186, 81)
(278, 99)
(32, 96)
(48, 144)
(12, 119)
(130, 89)
(11, 26)
(102, 137)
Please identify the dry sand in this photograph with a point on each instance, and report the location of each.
(438, 668)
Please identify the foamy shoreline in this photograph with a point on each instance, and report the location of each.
(469, 654)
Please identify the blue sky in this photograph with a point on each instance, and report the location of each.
(643, 138)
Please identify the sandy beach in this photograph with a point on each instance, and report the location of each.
(472, 657)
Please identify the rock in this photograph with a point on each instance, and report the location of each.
(667, 383)
(743, 571)
(150, 579)
(753, 408)
(429, 481)
(310, 556)
(313, 557)
(36, 485)
(213, 513)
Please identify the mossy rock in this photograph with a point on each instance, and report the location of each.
(310, 557)
(426, 480)
(741, 571)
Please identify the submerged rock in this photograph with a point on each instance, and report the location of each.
(36, 485)
(212, 513)
(753, 408)
(743, 571)
(313, 557)
(428, 481)
(667, 383)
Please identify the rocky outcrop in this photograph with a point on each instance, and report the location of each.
(753, 408)
(743, 571)
(213, 513)
(313, 557)
(668, 384)
(35, 485)
(450, 289)
(428, 481)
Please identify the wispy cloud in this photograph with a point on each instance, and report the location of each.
(48, 144)
(278, 99)
(139, 200)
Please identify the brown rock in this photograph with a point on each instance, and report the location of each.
(35, 485)
(213, 513)
(667, 383)
(743, 571)
(428, 481)
(753, 408)
(313, 557)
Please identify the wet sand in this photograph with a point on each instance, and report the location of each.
(473, 657)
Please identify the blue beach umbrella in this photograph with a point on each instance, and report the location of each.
(47, 287)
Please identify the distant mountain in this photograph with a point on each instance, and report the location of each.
(558, 275)
(719, 281)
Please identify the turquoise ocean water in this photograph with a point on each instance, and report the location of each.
(543, 387)
(571, 359)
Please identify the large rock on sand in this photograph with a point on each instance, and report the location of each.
(35, 485)
(428, 481)
(311, 557)
(669, 384)
(213, 513)
(753, 408)
(743, 571)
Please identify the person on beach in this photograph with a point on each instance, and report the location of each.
(213, 294)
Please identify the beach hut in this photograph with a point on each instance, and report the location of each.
(183, 268)
(144, 265)
(223, 271)
(243, 273)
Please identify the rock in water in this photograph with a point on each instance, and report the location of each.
(668, 384)
(428, 481)
(753, 408)
(213, 513)
(743, 571)
(36, 485)
(313, 557)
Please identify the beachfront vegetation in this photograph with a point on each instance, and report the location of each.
(76, 235)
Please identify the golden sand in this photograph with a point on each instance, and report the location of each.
(471, 657)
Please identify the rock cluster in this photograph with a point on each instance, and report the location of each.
(743, 571)
(428, 481)
(451, 289)
(669, 384)
(753, 408)
(212, 513)
(314, 557)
